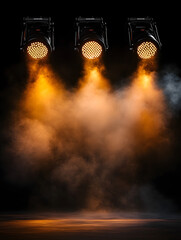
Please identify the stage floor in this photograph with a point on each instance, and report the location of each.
(86, 226)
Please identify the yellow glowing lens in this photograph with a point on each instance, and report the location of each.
(146, 50)
(37, 50)
(91, 50)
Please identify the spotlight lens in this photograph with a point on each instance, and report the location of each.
(37, 50)
(91, 50)
(146, 50)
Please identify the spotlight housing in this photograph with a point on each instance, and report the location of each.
(91, 37)
(37, 38)
(143, 37)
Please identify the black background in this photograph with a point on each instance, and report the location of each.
(119, 63)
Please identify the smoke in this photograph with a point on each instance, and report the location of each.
(91, 147)
(171, 84)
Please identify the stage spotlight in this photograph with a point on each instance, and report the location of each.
(91, 37)
(143, 37)
(37, 38)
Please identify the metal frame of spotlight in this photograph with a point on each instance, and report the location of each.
(87, 29)
(37, 29)
(140, 29)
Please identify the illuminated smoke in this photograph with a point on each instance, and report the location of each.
(93, 144)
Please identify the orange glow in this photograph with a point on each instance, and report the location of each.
(150, 125)
(42, 90)
(93, 76)
(70, 224)
(37, 114)
(77, 132)
(86, 226)
(144, 79)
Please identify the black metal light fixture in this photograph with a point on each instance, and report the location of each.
(37, 37)
(91, 37)
(143, 37)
